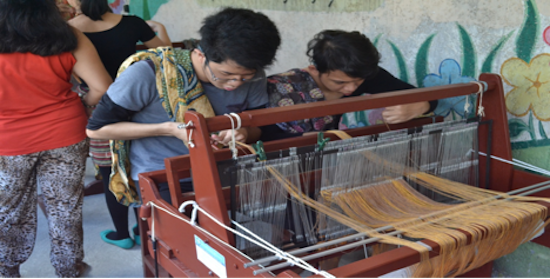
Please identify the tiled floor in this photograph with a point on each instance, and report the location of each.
(105, 260)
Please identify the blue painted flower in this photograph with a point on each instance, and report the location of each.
(450, 73)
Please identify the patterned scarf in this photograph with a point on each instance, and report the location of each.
(179, 90)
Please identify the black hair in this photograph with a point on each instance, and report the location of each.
(94, 9)
(350, 52)
(34, 26)
(249, 38)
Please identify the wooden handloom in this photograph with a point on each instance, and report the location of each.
(176, 252)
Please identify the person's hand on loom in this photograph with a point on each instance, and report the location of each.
(403, 113)
(224, 137)
(180, 130)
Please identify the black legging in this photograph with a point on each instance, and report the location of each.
(118, 212)
(186, 185)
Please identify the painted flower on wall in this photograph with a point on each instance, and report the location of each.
(531, 86)
(449, 73)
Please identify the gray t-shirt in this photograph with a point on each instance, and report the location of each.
(135, 89)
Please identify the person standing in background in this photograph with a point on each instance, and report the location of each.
(42, 132)
(115, 37)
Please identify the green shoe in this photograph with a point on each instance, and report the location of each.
(137, 238)
(125, 243)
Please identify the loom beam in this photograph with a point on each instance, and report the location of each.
(177, 248)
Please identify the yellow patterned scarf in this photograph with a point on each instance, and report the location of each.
(179, 90)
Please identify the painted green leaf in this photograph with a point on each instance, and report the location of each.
(516, 127)
(527, 37)
(541, 131)
(145, 9)
(487, 66)
(403, 74)
(421, 63)
(375, 43)
(146, 13)
(468, 53)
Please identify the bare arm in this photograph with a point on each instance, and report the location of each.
(161, 39)
(254, 134)
(246, 135)
(403, 113)
(89, 67)
(132, 130)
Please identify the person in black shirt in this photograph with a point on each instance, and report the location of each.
(115, 37)
(343, 64)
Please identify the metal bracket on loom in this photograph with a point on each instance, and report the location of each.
(321, 142)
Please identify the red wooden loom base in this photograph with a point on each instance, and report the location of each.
(176, 250)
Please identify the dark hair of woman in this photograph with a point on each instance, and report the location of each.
(249, 38)
(350, 52)
(94, 9)
(34, 26)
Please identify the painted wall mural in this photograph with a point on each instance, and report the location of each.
(527, 76)
(298, 5)
(528, 100)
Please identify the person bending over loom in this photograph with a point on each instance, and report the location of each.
(226, 74)
(344, 64)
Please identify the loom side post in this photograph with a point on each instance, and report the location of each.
(206, 181)
(495, 108)
(173, 182)
(505, 177)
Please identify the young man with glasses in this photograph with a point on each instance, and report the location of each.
(225, 73)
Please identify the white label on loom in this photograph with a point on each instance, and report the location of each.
(210, 258)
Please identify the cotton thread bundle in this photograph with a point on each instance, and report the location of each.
(516, 226)
(496, 229)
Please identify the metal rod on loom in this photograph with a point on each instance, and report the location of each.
(543, 186)
(315, 247)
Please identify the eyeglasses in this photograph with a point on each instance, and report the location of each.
(215, 78)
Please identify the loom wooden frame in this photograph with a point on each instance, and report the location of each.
(176, 245)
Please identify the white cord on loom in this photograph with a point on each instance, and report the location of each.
(153, 205)
(480, 108)
(232, 144)
(184, 126)
(294, 261)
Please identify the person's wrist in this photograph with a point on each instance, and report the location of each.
(424, 109)
(89, 106)
(244, 132)
(82, 97)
